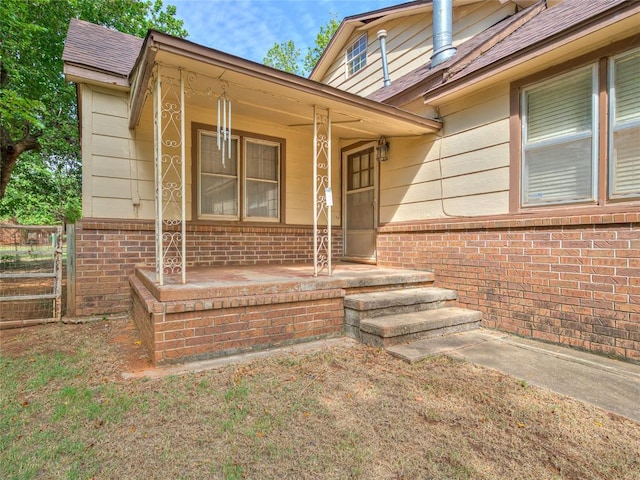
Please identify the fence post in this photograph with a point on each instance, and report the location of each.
(71, 270)
(57, 306)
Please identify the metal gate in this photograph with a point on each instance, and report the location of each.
(30, 275)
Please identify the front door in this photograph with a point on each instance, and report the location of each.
(360, 212)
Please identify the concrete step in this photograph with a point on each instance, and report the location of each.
(360, 306)
(408, 327)
(396, 298)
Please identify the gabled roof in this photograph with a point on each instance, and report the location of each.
(368, 20)
(527, 30)
(349, 24)
(413, 84)
(106, 52)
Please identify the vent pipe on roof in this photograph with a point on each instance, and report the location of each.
(443, 48)
(382, 37)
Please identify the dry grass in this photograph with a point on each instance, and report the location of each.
(339, 413)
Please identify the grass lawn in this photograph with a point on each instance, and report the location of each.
(339, 413)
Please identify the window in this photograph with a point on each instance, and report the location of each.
(624, 105)
(559, 146)
(262, 160)
(244, 186)
(570, 136)
(218, 180)
(357, 55)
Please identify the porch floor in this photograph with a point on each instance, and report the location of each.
(233, 281)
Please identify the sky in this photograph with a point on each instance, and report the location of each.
(249, 28)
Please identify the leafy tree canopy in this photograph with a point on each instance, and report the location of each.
(287, 57)
(38, 111)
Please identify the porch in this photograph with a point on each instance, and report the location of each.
(227, 310)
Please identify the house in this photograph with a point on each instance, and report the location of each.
(508, 167)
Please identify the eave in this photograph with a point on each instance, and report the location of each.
(295, 95)
(83, 74)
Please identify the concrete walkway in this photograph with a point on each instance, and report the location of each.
(610, 384)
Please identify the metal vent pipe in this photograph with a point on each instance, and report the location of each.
(443, 48)
(382, 37)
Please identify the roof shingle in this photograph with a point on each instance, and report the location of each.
(540, 25)
(100, 48)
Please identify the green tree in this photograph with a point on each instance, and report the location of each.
(285, 56)
(39, 146)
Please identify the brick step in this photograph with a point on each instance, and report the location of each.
(407, 327)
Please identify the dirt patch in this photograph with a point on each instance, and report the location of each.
(120, 337)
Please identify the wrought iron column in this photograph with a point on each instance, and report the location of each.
(170, 177)
(322, 193)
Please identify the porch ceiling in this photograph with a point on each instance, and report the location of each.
(268, 95)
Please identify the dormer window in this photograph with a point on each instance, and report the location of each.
(356, 55)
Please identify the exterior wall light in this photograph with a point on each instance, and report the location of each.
(382, 150)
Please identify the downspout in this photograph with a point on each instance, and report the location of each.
(382, 37)
(443, 48)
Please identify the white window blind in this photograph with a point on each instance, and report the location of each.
(624, 178)
(262, 200)
(218, 180)
(559, 144)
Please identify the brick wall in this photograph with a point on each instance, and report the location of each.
(571, 280)
(107, 252)
(191, 330)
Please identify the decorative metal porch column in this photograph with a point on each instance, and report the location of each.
(169, 162)
(322, 194)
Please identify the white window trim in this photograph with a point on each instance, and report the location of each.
(364, 52)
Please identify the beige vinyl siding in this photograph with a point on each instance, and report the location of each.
(118, 172)
(118, 163)
(409, 45)
(465, 173)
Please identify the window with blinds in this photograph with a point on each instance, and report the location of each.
(218, 179)
(559, 140)
(229, 189)
(624, 147)
(262, 166)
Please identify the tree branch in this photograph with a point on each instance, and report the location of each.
(10, 151)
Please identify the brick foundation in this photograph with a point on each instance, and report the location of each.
(206, 328)
(107, 252)
(571, 280)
